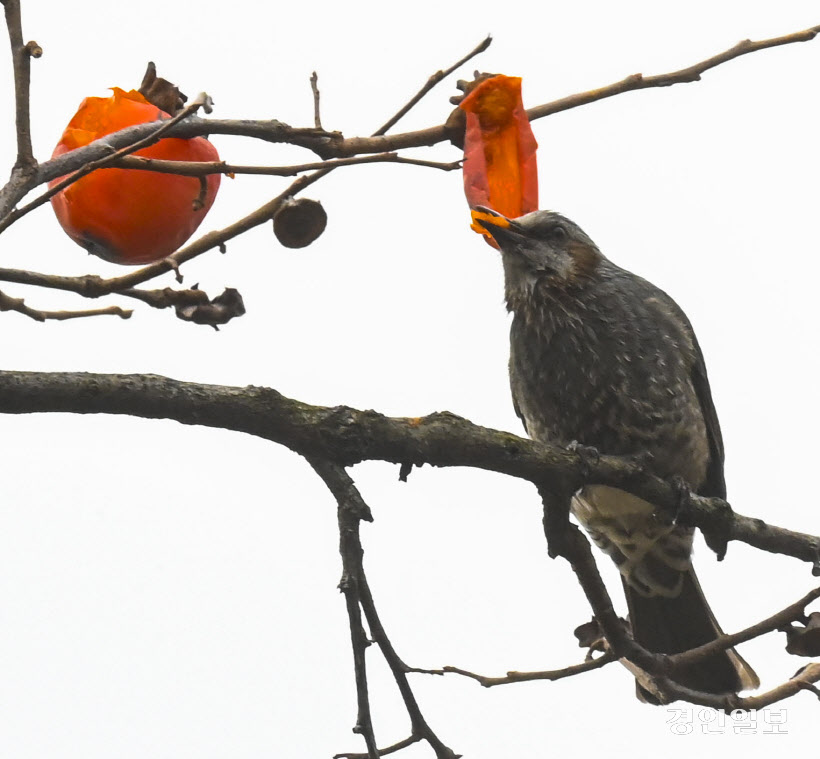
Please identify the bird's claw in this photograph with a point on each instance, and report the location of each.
(683, 495)
(642, 460)
(588, 456)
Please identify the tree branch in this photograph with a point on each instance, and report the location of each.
(334, 145)
(8, 303)
(348, 436)
(656, 672)
(21, 55)
(803, 680)
(204, 168)
(791, 613)
(112, 148)
(345, 436)
(91, 286)
(682, 76)
(420, 729)
(314, 88)
(523, 677)
(431, 82)
(352, 509)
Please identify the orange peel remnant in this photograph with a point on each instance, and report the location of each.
(500, 169)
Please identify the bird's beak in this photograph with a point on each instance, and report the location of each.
(499, 226)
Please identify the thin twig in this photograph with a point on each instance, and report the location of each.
(791, 613)
(431, 82)
(571, 544)
(351, 510)
(204, 168)
(8, 303)
(522, 677)
(94, 287)
(21, 55)
(269, 130)
(314, 86)
(91, 286)
(156, 133)
(802, 681)
(682, 76)
(655, 671)
(420, 728)
(335, 145)
(398, 746)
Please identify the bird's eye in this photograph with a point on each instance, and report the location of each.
(558, 234)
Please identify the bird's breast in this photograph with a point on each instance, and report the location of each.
(592, 380)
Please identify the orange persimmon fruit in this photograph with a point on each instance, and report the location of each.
(129, 216)
(500, 169)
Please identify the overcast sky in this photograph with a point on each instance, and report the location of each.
(169, 591)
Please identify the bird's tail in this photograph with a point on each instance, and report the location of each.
(672, 625)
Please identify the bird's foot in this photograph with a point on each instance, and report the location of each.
(642, 460)
(679, 513)
(591, 637)
(588, 456)
(683, 500)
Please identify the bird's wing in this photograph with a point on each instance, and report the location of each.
(519, 414)
(715, 483)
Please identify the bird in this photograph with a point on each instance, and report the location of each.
(602, 358)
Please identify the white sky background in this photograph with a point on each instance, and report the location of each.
(169, 591)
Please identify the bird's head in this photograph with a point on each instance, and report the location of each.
(541, 247)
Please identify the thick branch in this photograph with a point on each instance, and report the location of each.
(347, 436)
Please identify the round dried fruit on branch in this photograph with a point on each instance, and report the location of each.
(128, 216)
(299, 222)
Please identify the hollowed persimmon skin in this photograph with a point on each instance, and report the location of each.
(128, 216)
(500, 169)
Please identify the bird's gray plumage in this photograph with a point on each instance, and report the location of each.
(602, 357)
